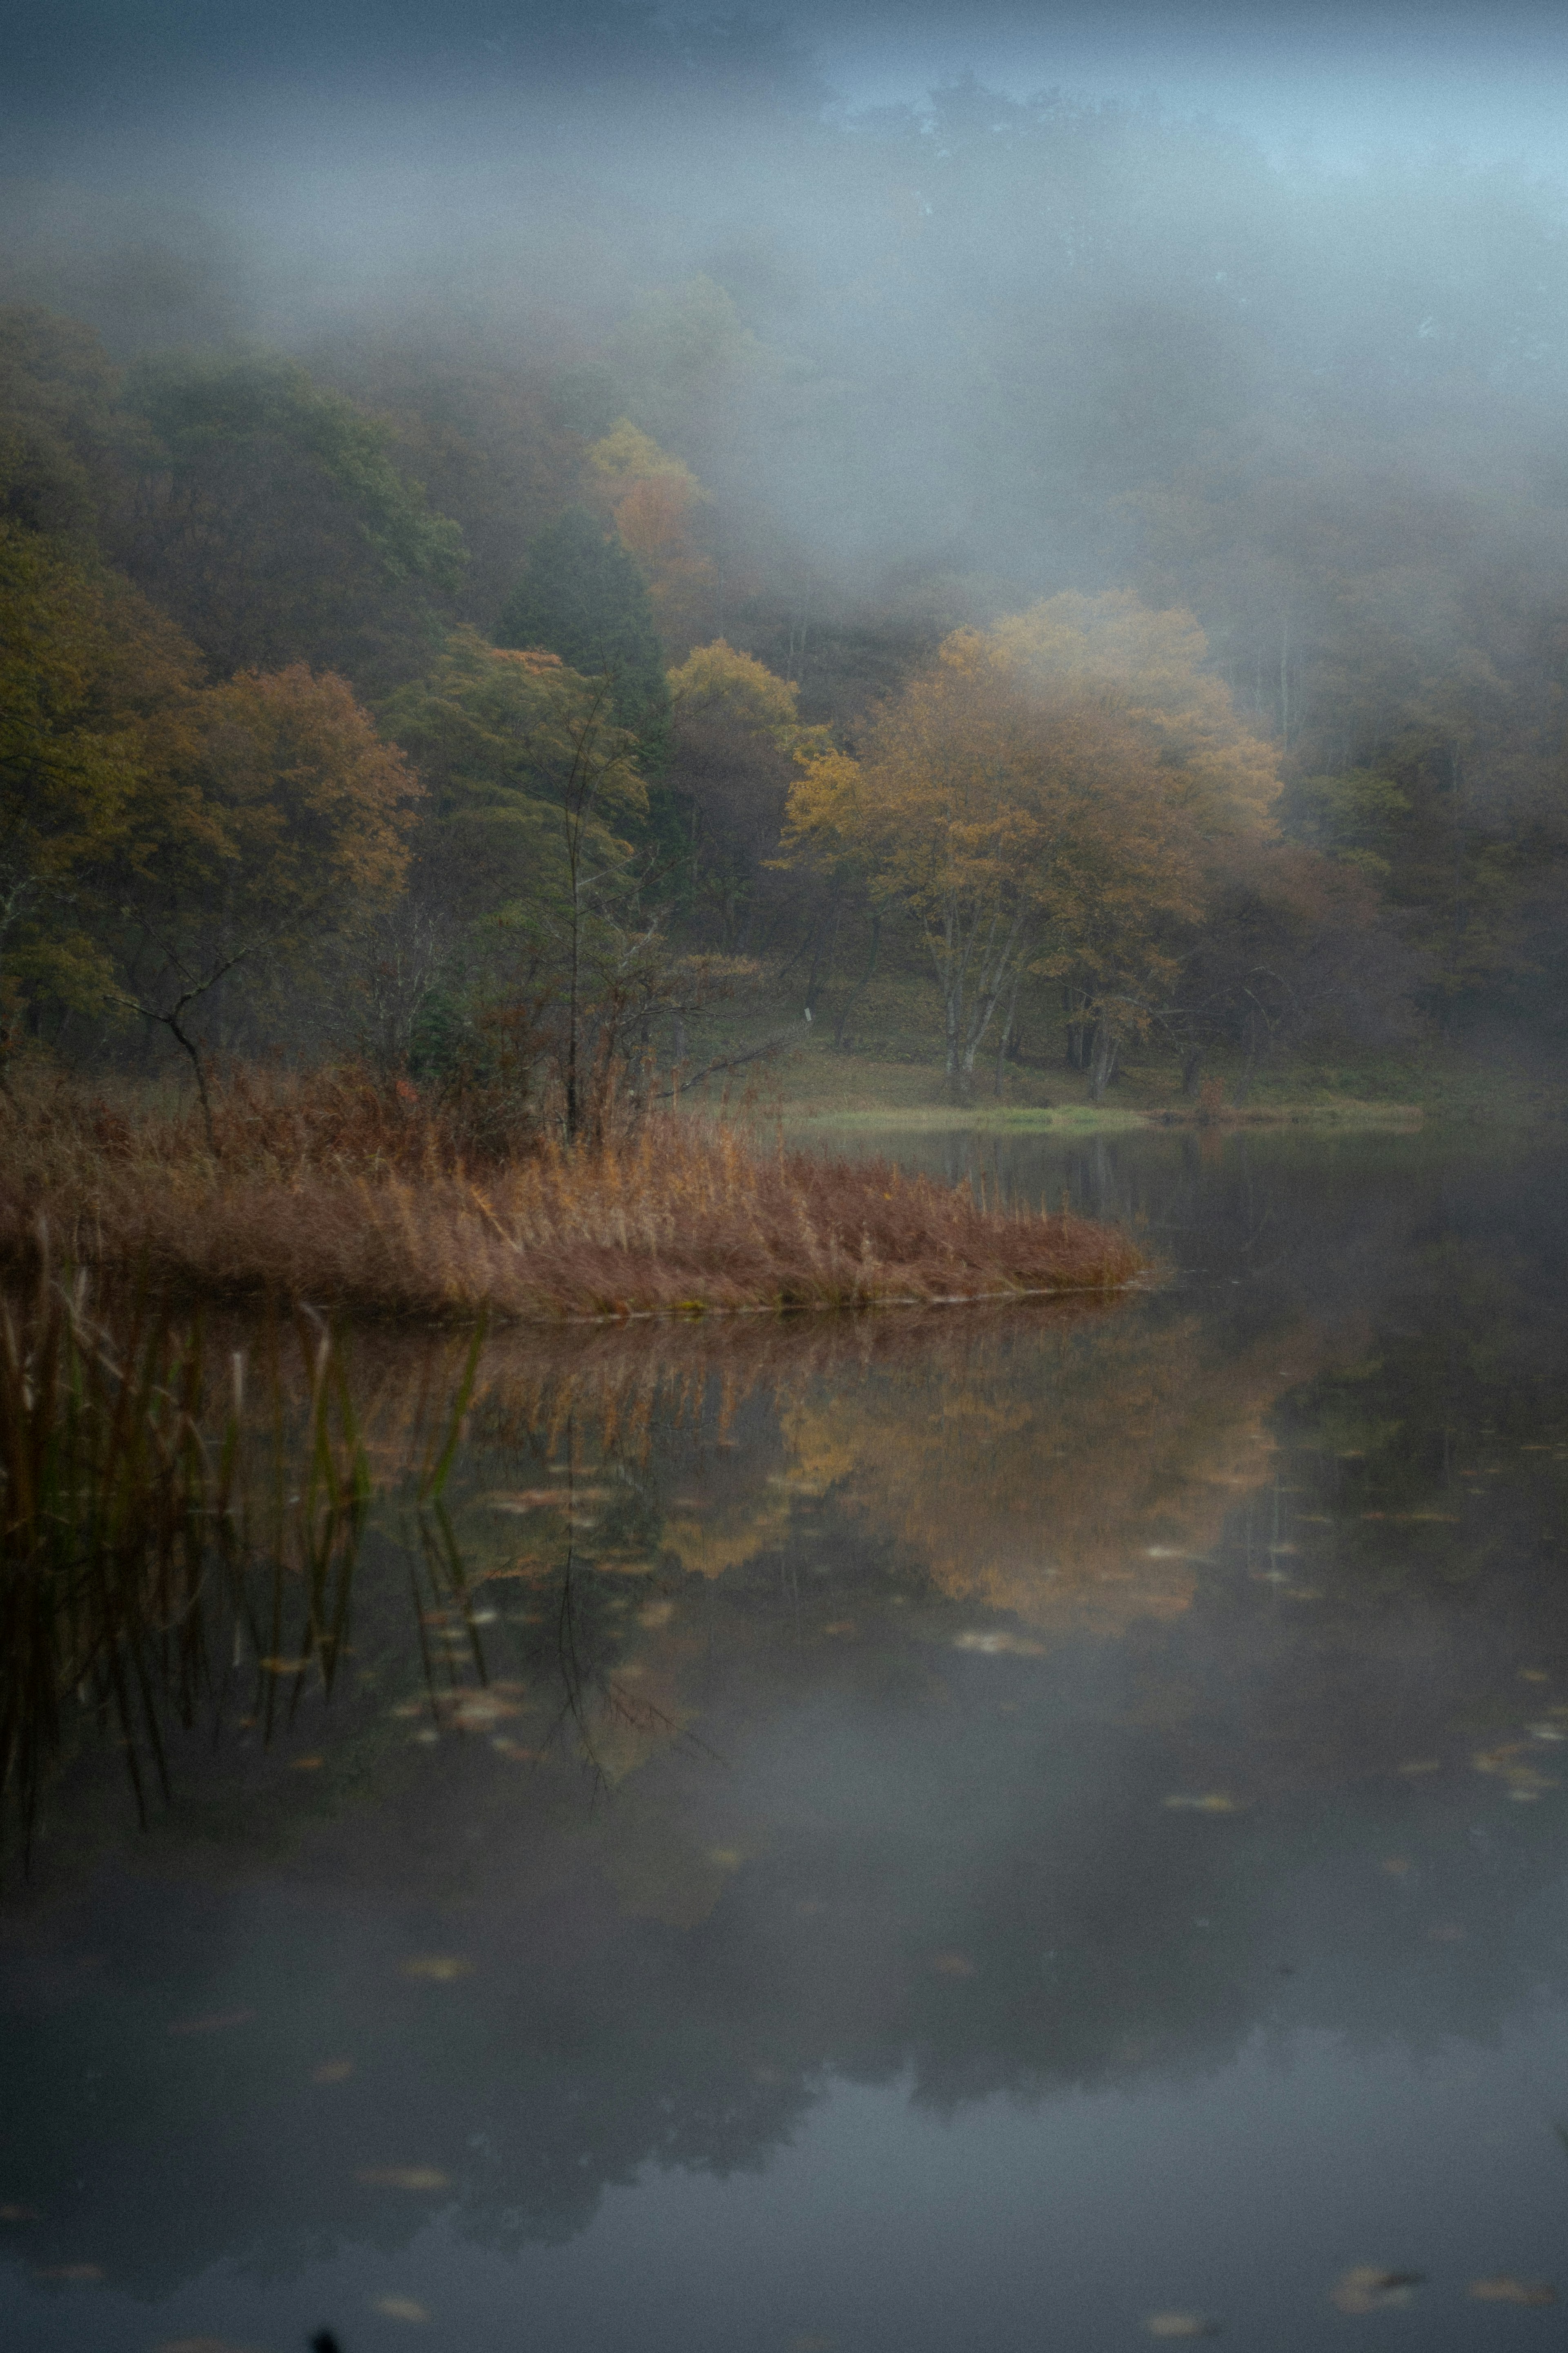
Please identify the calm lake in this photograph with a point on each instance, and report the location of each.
(1003, 1828)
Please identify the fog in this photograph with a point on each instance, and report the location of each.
(1262, 319)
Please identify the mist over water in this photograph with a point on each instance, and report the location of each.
(830, 1833)
(884, 1831)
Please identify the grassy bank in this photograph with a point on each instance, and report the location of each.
(344, 1193)
(1499, 1076)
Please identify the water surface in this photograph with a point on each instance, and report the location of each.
(925, 1831)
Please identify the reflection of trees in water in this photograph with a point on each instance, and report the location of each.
(916, 1863)
(904, 1856)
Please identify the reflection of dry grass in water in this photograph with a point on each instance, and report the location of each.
(141, 1510)
(616, 1381)
(381, 1213)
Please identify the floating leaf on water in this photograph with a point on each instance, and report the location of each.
(1546, 1732)
(307, 1763)
(399, 2307)
(840, 1626)
(1505, 2289)
(286, 1666)
(440, 1969)
(1533, 1675)
(728, 1858)
(953, 1965)
(478, 1711)
(212, 2024)
(403, 2176)
(407, 1707)
(20, 2214)
(992, 1645)
(1181, 2324)
(1215, 1802)
(530, 1499)
(1369, 2287)
(656, 1613)
(332, 2070)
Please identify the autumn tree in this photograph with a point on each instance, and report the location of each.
(489, 730)
(479, 430)
(271, 520)
(65, 444)
(96, 692)
(1039, 800)
(735, 731)
(1296, 950)
(656, 500)
(531, 790)
(305, 814)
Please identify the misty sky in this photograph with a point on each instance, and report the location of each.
(1341, 79)
(1335, 80)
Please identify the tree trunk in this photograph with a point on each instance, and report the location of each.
(822, 956)
(951, 1008)
(1102, 1060)
(1003, 1043)
(1076, 1031)
(858, 991)
(1192, 1071)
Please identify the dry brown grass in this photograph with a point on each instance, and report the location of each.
(343, 1192)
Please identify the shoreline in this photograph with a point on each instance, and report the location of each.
(1080, 1119)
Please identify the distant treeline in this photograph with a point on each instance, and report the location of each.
(1075, 561)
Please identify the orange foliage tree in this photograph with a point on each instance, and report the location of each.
(1042, 800)
(305, 818)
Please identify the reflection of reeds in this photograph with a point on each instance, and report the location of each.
(153, 1554)
(181, 1517)
(683, 1215)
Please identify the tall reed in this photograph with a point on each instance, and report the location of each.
(341, 1194)
(162, 1544)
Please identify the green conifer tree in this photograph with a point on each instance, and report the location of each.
(583, 596)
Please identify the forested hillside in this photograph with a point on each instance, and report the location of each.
(1042, 552)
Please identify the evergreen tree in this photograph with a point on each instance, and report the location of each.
(583, 596)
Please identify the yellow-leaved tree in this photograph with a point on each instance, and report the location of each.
(735, 730)
(656, 498)
(1044, 799)
(96, 689)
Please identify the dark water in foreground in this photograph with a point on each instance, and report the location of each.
(970, 1831)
